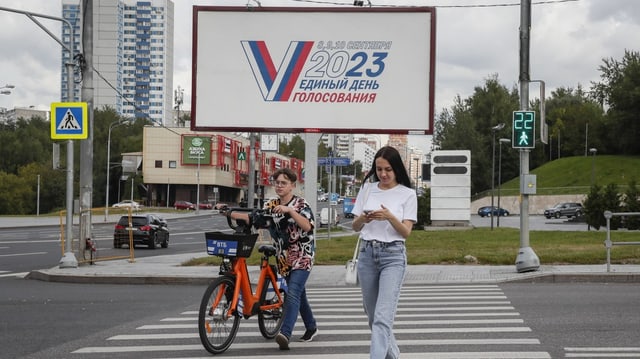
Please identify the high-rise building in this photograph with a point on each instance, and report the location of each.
(132, 53)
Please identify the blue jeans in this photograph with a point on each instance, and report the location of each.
(381, 271)
(297, 301)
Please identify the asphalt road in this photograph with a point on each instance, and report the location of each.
(544, 320)
(30, 248)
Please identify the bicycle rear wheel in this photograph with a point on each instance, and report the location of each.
(216, 325)
(270, 321)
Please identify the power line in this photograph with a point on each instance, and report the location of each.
(545, 2)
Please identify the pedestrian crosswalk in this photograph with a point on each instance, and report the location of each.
(432, 321)
(602, 352)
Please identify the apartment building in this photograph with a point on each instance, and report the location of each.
(132, 53)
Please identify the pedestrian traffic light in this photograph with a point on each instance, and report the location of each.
(523, 129)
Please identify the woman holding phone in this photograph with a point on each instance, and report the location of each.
(385, 211)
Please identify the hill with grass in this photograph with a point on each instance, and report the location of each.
(572, 175)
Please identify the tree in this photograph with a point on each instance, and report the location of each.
(467, 126)
(619, 91)
(575, 122)
(15, 194)
(52, 187)
(631, 203)
(424, 208)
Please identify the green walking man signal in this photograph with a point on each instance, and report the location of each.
(523, 135)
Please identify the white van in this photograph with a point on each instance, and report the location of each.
(324, 216)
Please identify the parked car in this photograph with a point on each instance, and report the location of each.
(206, 205)
(565, 209)
(347, 207)
(184, 205)
(126, 204)
(221, 207)
(147, 229)
(497, 211)
(324, 217)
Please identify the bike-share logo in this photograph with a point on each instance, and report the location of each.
(319, 71)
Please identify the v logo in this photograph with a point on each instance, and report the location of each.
(276, 84)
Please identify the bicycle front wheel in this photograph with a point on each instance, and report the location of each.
(217, 325)
(270, 320)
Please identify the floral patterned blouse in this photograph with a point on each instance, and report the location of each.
(295, 247)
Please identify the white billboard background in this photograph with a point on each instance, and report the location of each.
(398, 98)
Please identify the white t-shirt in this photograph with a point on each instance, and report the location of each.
(400, 200)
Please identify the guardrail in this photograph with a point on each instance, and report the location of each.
(608, 243)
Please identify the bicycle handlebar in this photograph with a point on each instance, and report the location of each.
(258, 218)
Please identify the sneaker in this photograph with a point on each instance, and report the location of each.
(283, 341)
(309, 335)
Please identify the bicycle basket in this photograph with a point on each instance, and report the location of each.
(230, 245)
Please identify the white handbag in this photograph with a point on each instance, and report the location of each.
(351, 276)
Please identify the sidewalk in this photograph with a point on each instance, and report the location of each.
(167, 269)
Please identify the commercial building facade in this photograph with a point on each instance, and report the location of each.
(180, 164)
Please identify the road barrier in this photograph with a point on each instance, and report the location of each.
(608, 243)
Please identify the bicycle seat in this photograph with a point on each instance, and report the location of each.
(267, 249)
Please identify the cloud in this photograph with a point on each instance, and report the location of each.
(569, 40)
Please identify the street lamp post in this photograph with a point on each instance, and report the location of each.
(198, 186)
(494, 129)
(593, 152)
(106, 195)
(501, 141)
(417, 172)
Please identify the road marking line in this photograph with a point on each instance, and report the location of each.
(22, 254)
(20, 274)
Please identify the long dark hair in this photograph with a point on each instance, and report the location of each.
(393, 156)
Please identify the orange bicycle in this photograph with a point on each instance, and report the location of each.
(230, 296)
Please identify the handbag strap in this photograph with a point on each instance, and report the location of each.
(355, 252)
(366, 197)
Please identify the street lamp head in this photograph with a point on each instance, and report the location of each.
(593, 150)
(505, 140)
(498, 127)
(5, 92)
(8, 86)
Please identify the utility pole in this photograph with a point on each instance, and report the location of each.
(251, 186)
(527, 260)
(86, 146)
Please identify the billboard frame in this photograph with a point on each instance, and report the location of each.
(419, 105)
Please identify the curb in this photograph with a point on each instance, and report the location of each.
(616, 277)
(115, 279)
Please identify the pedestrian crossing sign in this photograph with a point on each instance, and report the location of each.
(69, 121)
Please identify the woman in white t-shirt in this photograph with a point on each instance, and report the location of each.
(385, 211)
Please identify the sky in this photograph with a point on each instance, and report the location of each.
(475, 39)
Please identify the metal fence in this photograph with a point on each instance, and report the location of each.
(608, 243)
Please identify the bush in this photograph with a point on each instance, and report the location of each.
(424, 208)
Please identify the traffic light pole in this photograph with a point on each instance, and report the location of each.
(527, 260)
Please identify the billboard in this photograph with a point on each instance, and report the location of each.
(307, 69)
(196, 150)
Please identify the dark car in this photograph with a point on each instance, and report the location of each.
(184, 205)
(147, 229)
(565, 209)
(497, 211)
